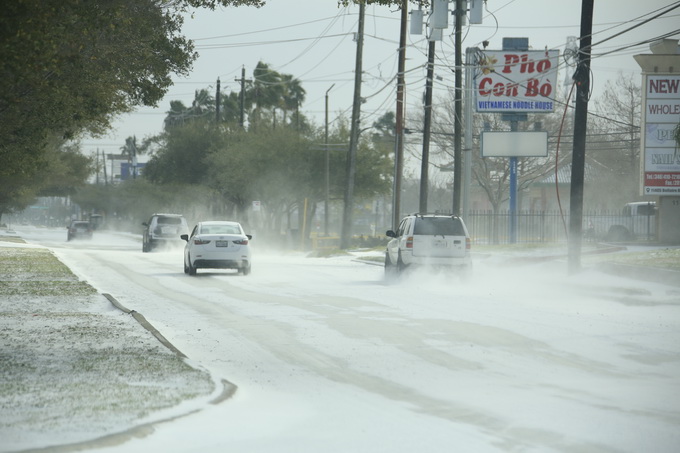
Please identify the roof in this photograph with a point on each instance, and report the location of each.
(564, 175)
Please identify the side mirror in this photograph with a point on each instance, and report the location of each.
(185, 237)
(391, 234)
(145, 224)
(249, 236)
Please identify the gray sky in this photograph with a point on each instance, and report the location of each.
(313, 41)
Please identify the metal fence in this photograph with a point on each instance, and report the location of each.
(487, 227)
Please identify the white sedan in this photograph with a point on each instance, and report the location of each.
(217, 245)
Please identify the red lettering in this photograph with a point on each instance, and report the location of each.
(527, 65)
(483, 91)
(487, 87)
(510, 61)
(543, 65)
(534, 89)
(664, 86)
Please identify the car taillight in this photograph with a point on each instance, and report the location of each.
(468, 244)
(201, 241)
(241, 242)
(409, 242)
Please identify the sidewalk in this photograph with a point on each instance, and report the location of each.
(73, 367)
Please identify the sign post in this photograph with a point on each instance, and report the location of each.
(516, 81)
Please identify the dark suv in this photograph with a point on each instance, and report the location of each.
(435, 240)
(163, 229)
(79, 229)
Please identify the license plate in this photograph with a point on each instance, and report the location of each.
(221, 243)
(440, 243)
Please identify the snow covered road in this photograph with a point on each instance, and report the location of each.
(327, 357)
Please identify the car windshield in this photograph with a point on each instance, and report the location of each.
(445, 226)
(220, 229)
(169, 220)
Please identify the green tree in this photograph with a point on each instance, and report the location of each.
(293, 96)
(68, 67)
(181, 154)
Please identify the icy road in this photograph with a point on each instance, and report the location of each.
(329, 358)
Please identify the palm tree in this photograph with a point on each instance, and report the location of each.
(293, 95)
(266, 91)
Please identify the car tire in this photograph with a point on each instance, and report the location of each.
(191, 269)
(401, 266)
(390, 268)
(245, 270)
(186, 268)
(145, 247)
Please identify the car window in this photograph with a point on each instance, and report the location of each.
(169, 220)
(435, 226)
(402, 227)
(221, 229)
(646, 209)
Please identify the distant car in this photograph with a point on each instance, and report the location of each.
(79, 229)
(428, 240)
(163, 229)
(217, 245)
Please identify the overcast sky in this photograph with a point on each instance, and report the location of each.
(313, 40)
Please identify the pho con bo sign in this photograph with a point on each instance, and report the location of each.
(517, 81)
(661, 157)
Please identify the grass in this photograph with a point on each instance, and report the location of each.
(69, 364)
(659, 258)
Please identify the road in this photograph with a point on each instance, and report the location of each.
(327, 357)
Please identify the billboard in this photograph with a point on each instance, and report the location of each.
(516, 81)
(660, 159)
(514, 144)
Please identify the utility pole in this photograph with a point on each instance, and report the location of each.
(106, 181)
(346, 233)
(328, 169)
(399, 126)
(427, 123)
(458, 104)
(582, 79)
(217, 102)
(242, 95)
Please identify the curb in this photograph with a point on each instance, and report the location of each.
(146, 324)
(228, 388)
(649, 274)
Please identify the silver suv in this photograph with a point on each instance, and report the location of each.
(435, 240)
(163, 229)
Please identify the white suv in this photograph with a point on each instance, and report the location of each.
(435, 240)
(162, 229)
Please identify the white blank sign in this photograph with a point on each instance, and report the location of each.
(514, 144)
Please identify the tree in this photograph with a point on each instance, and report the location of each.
(616, 147)
(293, 95)
(266, 92)
(69, 67)
(60, 172)
(202, 107)
(181, 154)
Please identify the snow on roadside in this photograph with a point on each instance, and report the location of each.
(70, 363)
